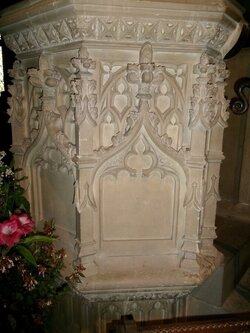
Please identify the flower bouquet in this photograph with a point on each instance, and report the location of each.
(30, 262)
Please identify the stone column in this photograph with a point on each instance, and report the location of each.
(208, 116)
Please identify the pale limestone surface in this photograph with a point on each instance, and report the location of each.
(119, 107)
(235, 180)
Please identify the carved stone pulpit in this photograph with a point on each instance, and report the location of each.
(118, 111)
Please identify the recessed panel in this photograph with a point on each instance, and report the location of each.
(137, 208)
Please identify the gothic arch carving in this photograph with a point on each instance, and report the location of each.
(129, 88)
(143, 161)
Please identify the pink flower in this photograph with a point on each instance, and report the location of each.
(9, 233)
(41, 270)
(24, 222)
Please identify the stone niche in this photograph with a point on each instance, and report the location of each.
(118, 111)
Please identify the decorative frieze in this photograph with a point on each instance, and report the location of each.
(122, 30)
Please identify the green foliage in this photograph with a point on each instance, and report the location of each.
(26, 254)
(30, 262)
(12, 195)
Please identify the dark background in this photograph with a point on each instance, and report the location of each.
(5, 127)
(9, 57)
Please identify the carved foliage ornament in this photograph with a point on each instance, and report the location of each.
(150, 80)
(48, 78)
(83, 89)
(208, 104)
(20, 115)
(16, 111)
(145, 74)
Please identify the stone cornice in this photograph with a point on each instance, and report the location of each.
(165, 293)
(46, 24)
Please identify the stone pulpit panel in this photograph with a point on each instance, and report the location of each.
(118, 111)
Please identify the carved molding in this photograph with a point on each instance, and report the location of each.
(171, 293)
(122, 30)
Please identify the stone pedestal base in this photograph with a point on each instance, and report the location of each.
(136, 272)
(90, 312)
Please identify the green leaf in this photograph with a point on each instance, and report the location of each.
(5, 250)
(28, 256)
(38, 238)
